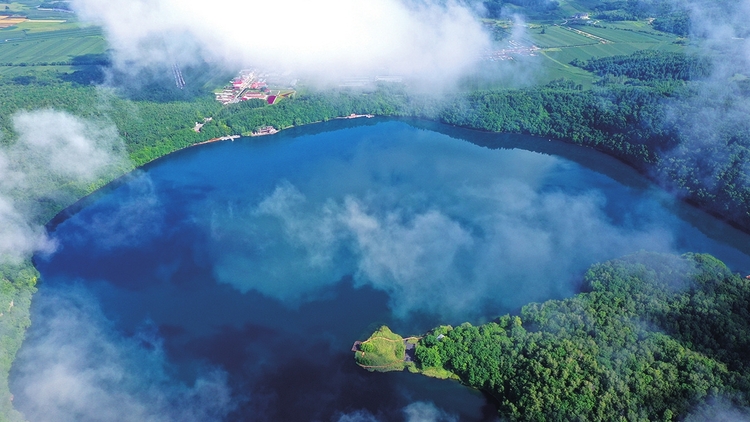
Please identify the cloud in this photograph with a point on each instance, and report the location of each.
(357, 416)
(436, 40)
(65, 145)
(75, 367)
(55, 157)
(415, 412)
(426, 412)
(712, 116)
(718, 410)
(442, 227)
(508, 245)
(20, 237)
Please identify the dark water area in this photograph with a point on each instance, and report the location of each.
(263, 259)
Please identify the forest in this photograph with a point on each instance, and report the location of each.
(651, 337)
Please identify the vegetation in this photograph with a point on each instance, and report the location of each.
(384, 351)
(17, 285)
(653, 336)
(649, 65)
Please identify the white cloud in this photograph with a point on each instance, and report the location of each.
(414, 412)
(54, 155)
(76, 367)
(510, 245)
(325, 38)
(426, 412)
(65, 145)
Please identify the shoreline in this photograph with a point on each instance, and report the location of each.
(270, 130)
(640, 171)
(210, 141)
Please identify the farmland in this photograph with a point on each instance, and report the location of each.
(49, 42)
(35, 41)
(560, 44)
(45, 46)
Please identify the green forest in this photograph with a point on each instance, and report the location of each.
(650, 338)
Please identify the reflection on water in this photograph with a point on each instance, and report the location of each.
(264, 260)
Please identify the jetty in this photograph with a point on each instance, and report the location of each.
(223, 138)
(357, 116)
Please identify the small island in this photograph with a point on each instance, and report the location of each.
(386, 351)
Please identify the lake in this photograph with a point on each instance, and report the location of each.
(229, 281)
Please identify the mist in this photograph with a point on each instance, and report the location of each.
(54, 159)
(428, 41)
(75, 366)
(438, 235)
(713, 115)
(718, 409)
(415, 412)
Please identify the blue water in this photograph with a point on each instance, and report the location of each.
(265, 258)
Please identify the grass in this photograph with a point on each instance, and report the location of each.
(50, 51)
(19, 46)
(557, 36)
(39, 48)
(640, 26)
(11, 7)
(382, 352)
(440, 373)
(47, 25)
(619, 35)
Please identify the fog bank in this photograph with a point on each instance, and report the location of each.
(54, 158)
(75, 366)
(324, 40)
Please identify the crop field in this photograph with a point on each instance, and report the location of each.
(12, 7)
(623, 36)
(561, 44)
(49, 50)
(639, 26)
(551, 68)
(556, 36)
(7, 21)
(18, 47)
(45, 25)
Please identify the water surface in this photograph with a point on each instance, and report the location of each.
(263, 259)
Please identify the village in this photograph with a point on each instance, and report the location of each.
(250, 85)
(513, 49)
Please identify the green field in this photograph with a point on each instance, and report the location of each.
(21, 46)
(557, 36)
(562, 44)
(12, 7)
(618, 35)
